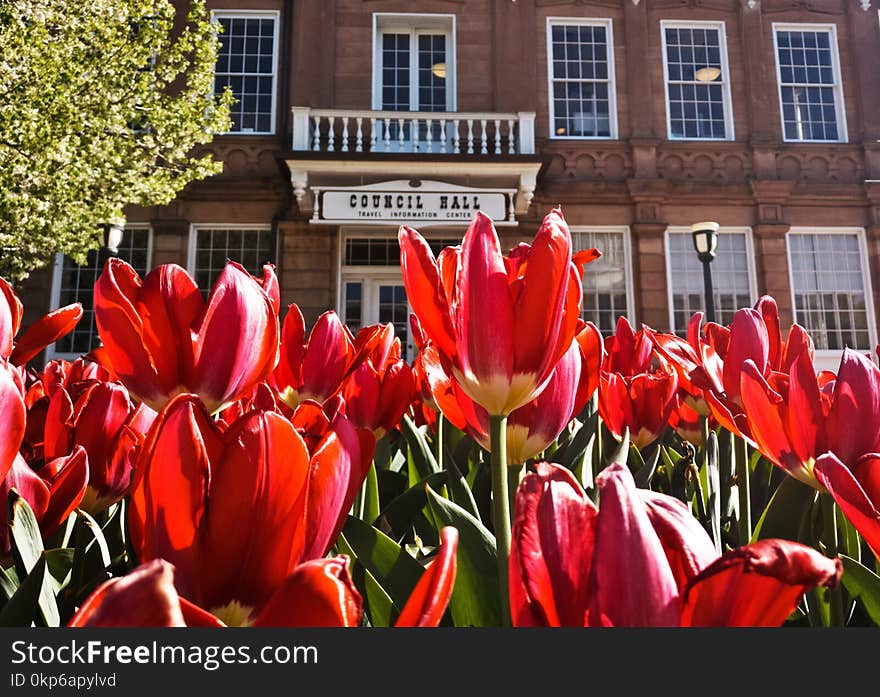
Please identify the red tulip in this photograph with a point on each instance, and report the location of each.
(856, 489)
(641, 559)
(794, 420)
(52, 493)
(46, 330)
(642, 403)
(237, 510)
(628, 352)
(500, 323)
(161, 339)
(317, 593)
(535, 425)
(381, 387)
(315, 368)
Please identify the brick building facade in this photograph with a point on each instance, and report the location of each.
(638, 117)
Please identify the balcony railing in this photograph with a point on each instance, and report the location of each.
(438, 133)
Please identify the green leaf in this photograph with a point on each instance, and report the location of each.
(782, 517)
(621, 454)
(398, 516)
(8, 584)
(378, 607)
(60, 562)
(474, 600)
(850, 542)
(393, 568)
(863, 584)
(645, 471)
(713, 489)
(459, 491)
(27, 549)
(370, 495)
(22, 607)
(421, 455)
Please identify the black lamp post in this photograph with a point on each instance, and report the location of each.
(705, 241)
(113, 232)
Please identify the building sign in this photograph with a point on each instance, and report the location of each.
(416, 202)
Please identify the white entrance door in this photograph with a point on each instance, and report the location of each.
(378, 299)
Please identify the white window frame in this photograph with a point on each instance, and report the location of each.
(624, 231)
(830, 358)
(725, 75)
(258, 14)
(192, 241)
(839, 102)
(55, 294)
(606, 22)
(727, 230)
(415, 24)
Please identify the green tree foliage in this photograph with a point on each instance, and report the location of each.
(101, 105)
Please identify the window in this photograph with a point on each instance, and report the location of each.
(73, 283)
(697, 83)
(414, 63)
(732, 277)
(830, 288)
(247, 63)
(211, 247)
(810, 90)
(372, 288)
(580, 64)
(607, 281)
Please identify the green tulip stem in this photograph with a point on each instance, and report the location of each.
(744, 522)
(501, 509)
(438, 442)
(830, 534)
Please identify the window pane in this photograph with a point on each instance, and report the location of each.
(78, 282)
(604, 282)
(696, 76)
(807, 88)
(250, 248)
(829, 293)
(581, 102)
(245, 64)
(730, 278)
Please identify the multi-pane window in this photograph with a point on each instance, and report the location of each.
(809, 84)
(213, 246)
(415, 69)
(76, 283)
(697, 89)
(606, 279)
(247, 64)
(829, 289)
(581, 76)
(731, 278)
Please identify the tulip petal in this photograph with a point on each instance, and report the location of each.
(58, 429)
(855, 408)
(237, 338)
(327, 360)
(552, 547)
(12, 421)
(543, 332)
(769, 311)
(122, 332)
(143, 598)
(427, 603)
(32, 489)
(748, 340)
(688, 547)
(256, 500)
(758, 585)
(850, 495)
(170, 487)
(632, 584)
(10, 318)
(66, 488)
(319, 593)
(424, 288)
(486, 347)
(45, 331)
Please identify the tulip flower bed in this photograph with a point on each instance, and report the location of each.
(211, 464)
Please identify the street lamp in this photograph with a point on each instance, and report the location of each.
(113, 232)
(705, 241)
